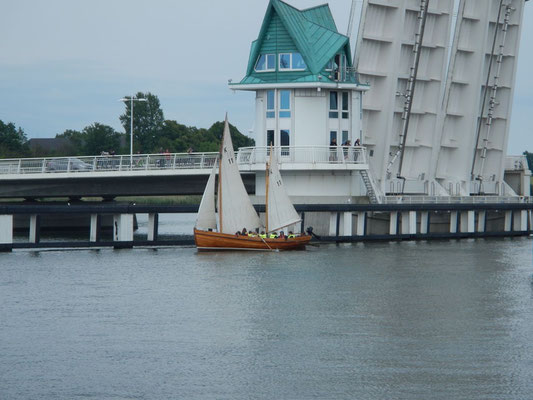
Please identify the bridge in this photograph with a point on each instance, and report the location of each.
(156, 174)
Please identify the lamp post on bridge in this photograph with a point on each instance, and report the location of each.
(131, 100)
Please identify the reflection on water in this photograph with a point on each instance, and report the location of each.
(435, 320)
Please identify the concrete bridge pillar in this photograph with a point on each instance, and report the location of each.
(468, 219)
(95, 228)
(123, 230)
(424, 222)
(408, 223)
(520, 221)
(393, 225)
(508, 221)
(453, 222)
(361, 222)
(481, 221)
(6, 232)
(153, 227)
(333, 224)
(35, 229)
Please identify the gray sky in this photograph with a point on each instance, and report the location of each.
(65, 63)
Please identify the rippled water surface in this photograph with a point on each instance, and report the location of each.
(439, 320)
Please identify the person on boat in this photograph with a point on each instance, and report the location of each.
(291, 235)
(273, 235)
(238, 233)
(282, 235)
(263, 235)
(244, 232)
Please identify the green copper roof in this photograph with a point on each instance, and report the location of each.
(311, 32)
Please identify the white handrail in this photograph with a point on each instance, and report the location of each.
(166, 161)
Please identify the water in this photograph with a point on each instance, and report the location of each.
(435, 320)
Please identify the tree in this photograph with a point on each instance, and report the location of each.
(98, 137)
(13, 141)
(92, 140)
(239, 140)
(76, 141)
(148, 121)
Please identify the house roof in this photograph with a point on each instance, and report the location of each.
(313, 31)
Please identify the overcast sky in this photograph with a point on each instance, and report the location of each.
(64, 63)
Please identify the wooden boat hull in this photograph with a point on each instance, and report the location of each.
(206, 240)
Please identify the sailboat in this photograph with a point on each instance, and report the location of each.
(236, 211)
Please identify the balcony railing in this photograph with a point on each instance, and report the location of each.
(337, 155)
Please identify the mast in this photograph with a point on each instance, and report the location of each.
(267, 182)
(220, 179)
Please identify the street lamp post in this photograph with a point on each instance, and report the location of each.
(132, 99)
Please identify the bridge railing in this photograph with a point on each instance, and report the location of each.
(304, 154)
(173, 161)
(137, 162)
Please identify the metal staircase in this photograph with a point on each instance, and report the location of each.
(371, 193)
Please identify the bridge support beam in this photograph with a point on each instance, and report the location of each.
(520, 220)
(361, 222)
(409, 223)
(153, 227)
(481, 221)
(96, 222)
(6, 233)
(453, 221)
(123, 230)
(393, 224)
(468, 219)
(508, 223)
(35, 228)
(424, 222)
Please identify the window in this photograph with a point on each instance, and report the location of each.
(333, 138)
(291, 61)
(333, 104)
(285, 137)
(284, 103)
(345, 105)
(298, 61)
(266, 62)
(270, 113)
(285, 141)
(270, 138)
(284, 61)
(331, 65)
(344, 137)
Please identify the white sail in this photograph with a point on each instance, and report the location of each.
(235, 208)
(281, 212)
(206, 213)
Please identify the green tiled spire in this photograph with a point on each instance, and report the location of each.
(311, 32)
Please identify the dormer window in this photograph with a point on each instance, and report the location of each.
(266, 63)
(291, 62)
(331, 65)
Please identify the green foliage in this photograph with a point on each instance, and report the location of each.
(92, 140)
(148, 121)
(13, 141)
(178, 138)
(98, 138)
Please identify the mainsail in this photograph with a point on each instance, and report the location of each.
(281, 212)
(235, 207)
(206, 213)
